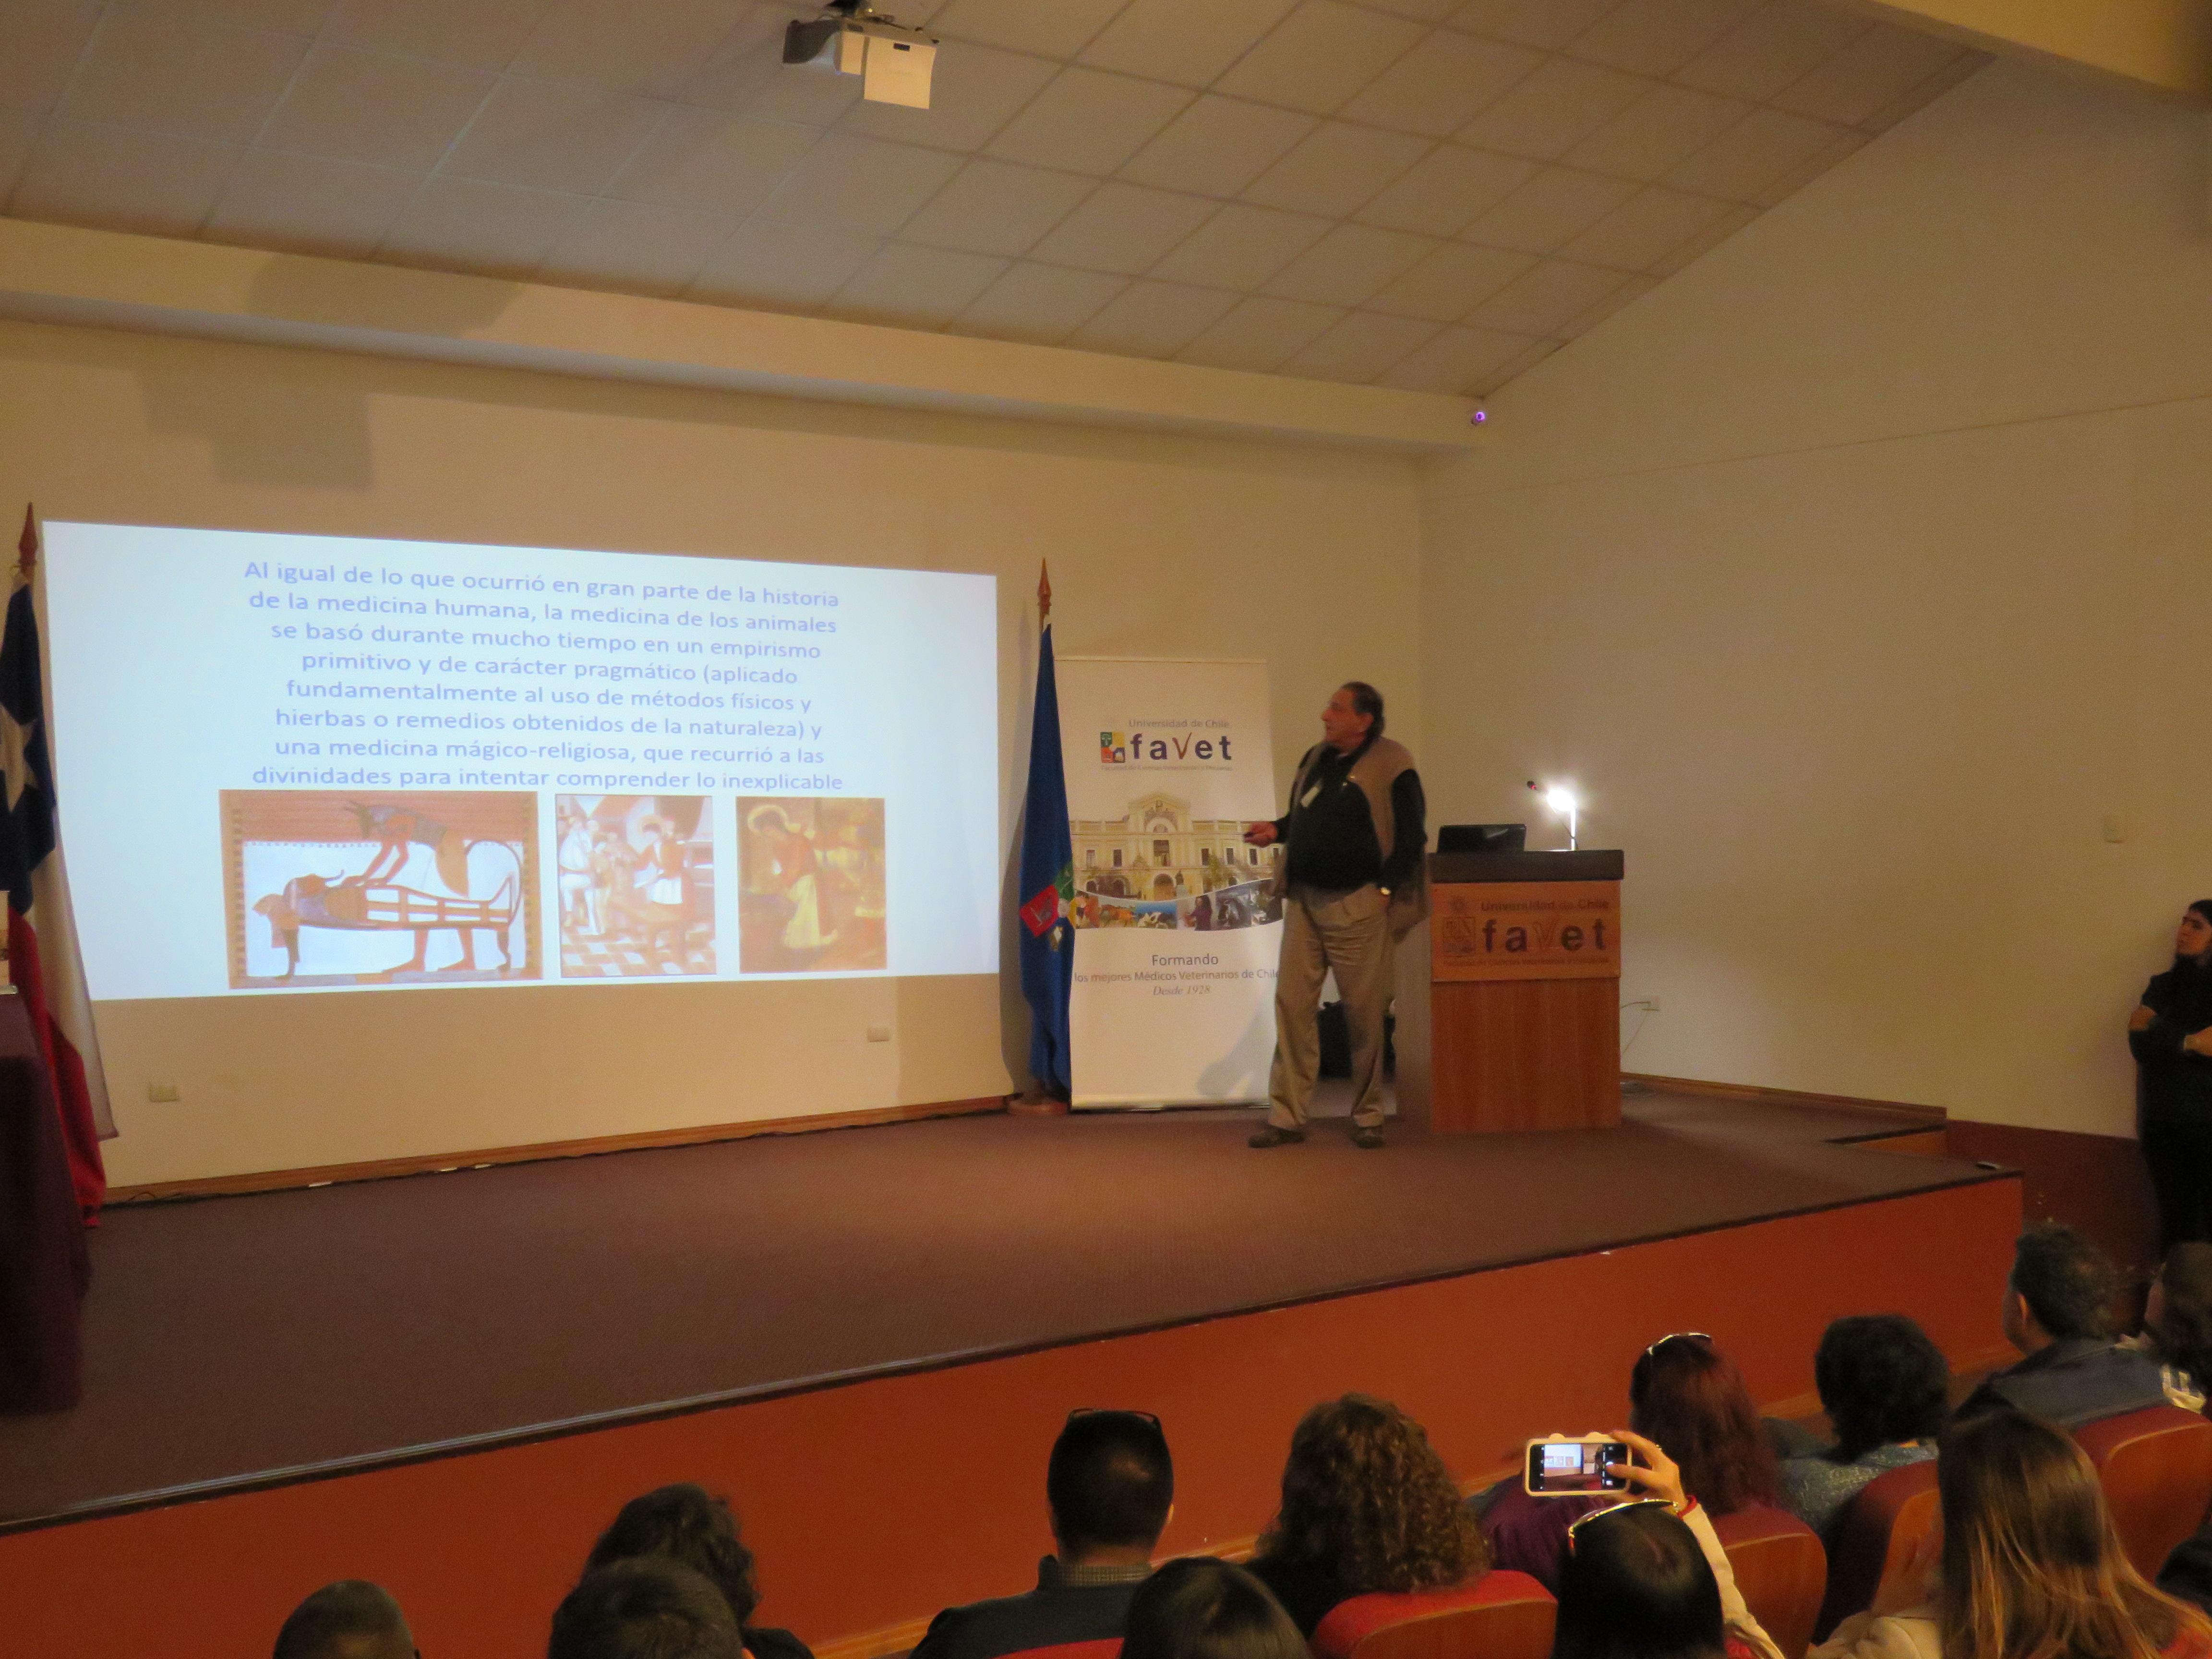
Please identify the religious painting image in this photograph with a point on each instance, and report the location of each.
(1159, 866)
(813, 886)
(636, 881)
(329, 888)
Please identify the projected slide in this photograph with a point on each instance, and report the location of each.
(293, 764)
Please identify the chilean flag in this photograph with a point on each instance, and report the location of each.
(1047, 883)
(42, 951)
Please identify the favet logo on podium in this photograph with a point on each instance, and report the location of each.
(1526, 930)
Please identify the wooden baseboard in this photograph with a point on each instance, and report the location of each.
(1686, 1085)
(268, 1180)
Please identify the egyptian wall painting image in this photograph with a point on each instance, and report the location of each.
(326, 888)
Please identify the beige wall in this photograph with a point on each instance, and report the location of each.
(1159, 546)
(1858, 572)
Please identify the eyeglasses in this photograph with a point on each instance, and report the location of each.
(1677, 1336)
(1577, 1524)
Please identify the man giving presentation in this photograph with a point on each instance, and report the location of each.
(1352, 884)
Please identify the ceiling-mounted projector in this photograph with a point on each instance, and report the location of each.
(853, 38)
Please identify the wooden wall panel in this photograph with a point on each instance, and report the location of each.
(1525, 1054)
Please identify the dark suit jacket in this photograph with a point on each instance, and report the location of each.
(2072, 1382)
(1051, 1614)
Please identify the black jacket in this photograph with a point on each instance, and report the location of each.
(1048, 1615)
(2072, 1382)
(2171, 1082)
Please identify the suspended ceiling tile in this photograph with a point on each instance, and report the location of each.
(1319, 57)
(910, 287)
(1753, 153)
(120, 179)
(1548, 25)
(706, 162)
(1089, 121)
(1656, 131)
(1848, 142)
(1217, 146)
(309, 204)
(636, 248)
(475, 34)
(1152, 319)
(1553, 208)
(861, 185)
(974, 92)
(1450, 281)
(774, 266)
(1858, 81)
(746, 73)
(1260, 333)
(996, 207)
(494, 230)
(1443, 84)
(1455, 361)
(1657, 37)
(40, 42)
(1775, 45)
(1125, 229)
(19, 131)
(1619, 299)
(300, 17)
(1516, 366)
(1241, 248)
(1539, 300)
(1918, 97)
(1039, 305)
(1362, 347)
(354, 106)
(627, 47)
(552, 137)
(1175, 40)
(1553, 110)
(181, 75)
(1336, 170)
(1060, 29)
(1350, 265)
(1443, 193)
(1649, 227)
(1697, 247)
(1421, 11)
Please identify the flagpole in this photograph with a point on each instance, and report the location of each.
(1046, 945)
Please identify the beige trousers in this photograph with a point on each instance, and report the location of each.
(1349, 933)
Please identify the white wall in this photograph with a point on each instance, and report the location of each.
(1858, 572)
(1158, 545)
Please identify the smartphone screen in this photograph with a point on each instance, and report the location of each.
(1557, 1468)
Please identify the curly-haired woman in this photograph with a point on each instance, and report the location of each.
(1367, 1505)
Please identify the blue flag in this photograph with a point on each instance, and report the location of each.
(1046, 890)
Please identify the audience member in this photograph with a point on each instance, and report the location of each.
(1367, 1505)
(2024, 1565)
(1882, 1383)
(2057, 1311)
(690, 1526)
(1636, 1585)
(647, 1608)
(2170, 1034)
(1109, 1489)
(1202, 1609)
(2177, 1324)
(352, 1619)
(1686, 1394)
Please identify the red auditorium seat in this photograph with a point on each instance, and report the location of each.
(2156, 1467)
(1781, 1569)
(1502, 1616)
(1105, 1647)
(1880, 1526)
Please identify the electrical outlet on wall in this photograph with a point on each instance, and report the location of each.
(159, 1092)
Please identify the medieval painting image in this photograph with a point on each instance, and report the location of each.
(813, 898)
(1160, 867)
(337, 888)
(636, 880)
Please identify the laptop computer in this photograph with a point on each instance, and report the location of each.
(1482, 837)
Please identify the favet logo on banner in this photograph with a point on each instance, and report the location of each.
(1197, 743)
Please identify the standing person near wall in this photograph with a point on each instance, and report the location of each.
(2170, 1034)
(1352, 884)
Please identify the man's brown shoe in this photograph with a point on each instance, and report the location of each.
(1268, 1135)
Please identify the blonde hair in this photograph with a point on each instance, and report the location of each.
(2032, 1567)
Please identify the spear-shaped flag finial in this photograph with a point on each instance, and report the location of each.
(28, 544)
(1044, 592)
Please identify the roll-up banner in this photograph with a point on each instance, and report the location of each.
(1177, 925)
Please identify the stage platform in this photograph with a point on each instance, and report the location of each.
(448, 1382)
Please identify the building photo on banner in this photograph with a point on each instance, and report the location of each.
(1178, 924)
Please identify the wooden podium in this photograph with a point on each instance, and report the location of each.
(1524, 997)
